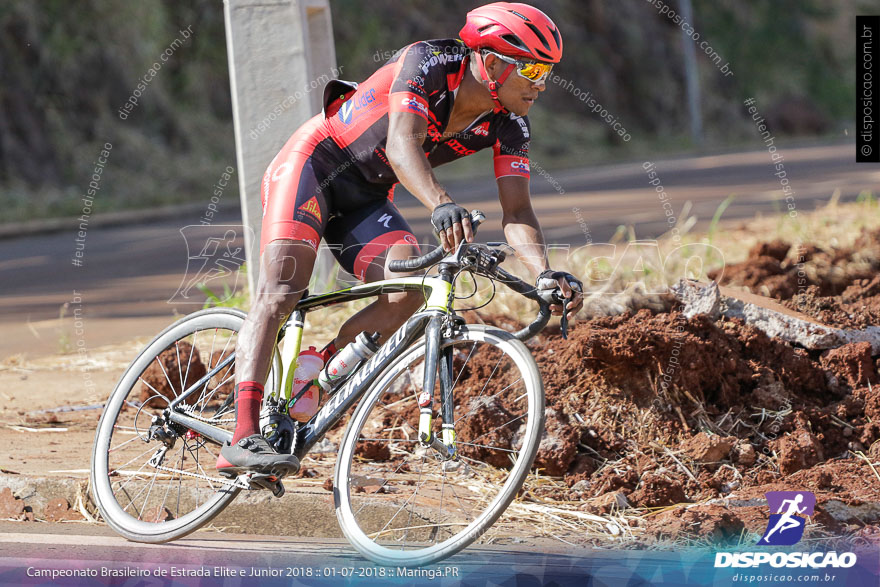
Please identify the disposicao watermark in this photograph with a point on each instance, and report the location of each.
(88, 200)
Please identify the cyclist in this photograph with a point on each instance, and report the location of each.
(433, 102)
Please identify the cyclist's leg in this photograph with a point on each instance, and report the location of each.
(371, 238)
(295, 216)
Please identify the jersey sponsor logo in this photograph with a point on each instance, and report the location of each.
(380, 153)
(482, 130)
(312, 208)
(459, 148)
(520, 166)
(434, 133)
(414, 105)
(410, 239)
(358, 101)
(385, 219)
(523, 125)
(441, 59)
(283, 171)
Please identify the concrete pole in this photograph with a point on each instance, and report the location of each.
(692, 75)
(281, 54)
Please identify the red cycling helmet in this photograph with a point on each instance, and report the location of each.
(514, 30)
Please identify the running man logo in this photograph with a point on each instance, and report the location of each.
(312, 208)
(788, 511)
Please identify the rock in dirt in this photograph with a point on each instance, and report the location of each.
(798, 450)
(606, 503)
(157, 514)
(768, 315)
(851, 364)
(373, 450)
(705, 301)
(716, 522)
(558, 446)
(58, 510)
(11, 507)
(657, 490)
(744, 454)
(708, 449)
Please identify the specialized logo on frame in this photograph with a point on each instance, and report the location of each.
(788, 517)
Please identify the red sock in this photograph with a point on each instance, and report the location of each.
(328, 351)
(248, 397)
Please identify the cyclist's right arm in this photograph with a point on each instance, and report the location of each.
(406, 133)
(408, 116)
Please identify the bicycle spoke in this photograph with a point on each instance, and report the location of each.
(120, 467)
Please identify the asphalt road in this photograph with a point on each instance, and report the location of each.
(130, 279)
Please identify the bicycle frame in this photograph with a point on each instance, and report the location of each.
(438, 292)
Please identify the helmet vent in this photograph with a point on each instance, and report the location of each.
(538, 34)
(547, 56)
(514, 40)
(556, 36)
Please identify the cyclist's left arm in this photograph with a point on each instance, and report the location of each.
(523, 232)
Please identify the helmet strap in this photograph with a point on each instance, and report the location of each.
(493, 85)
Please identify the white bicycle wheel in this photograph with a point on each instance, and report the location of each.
(397, 502)
(148, 497)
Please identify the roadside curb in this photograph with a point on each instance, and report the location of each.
(48, 225)
(298, 513)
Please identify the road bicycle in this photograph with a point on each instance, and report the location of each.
(411, 486)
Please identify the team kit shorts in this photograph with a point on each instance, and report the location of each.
(310, 192)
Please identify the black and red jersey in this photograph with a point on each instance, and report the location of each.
(423, 78)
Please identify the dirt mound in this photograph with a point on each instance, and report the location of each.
(838, 286)
(651, 410)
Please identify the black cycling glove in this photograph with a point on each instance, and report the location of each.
(446, 215)
(549, 279)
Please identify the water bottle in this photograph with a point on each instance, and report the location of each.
(308, 366)
(342, 363)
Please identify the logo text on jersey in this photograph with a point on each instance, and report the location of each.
(459, 148)
(524, 126)
(312, 207)
(441, 59)
(357, 102)
(520, 166)
(413, 105)
(482, 130)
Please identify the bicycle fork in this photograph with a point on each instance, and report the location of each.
(437, 361)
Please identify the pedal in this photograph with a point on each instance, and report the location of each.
(265, 481)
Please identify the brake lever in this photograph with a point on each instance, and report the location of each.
(563, 324)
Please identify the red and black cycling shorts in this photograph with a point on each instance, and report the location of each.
(309, 192)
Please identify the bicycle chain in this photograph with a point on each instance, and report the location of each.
(237, 483)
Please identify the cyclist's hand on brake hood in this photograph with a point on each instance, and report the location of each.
(569, 286)
(453, 225)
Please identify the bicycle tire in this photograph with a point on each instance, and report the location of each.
(121, 410)
(373, 409)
